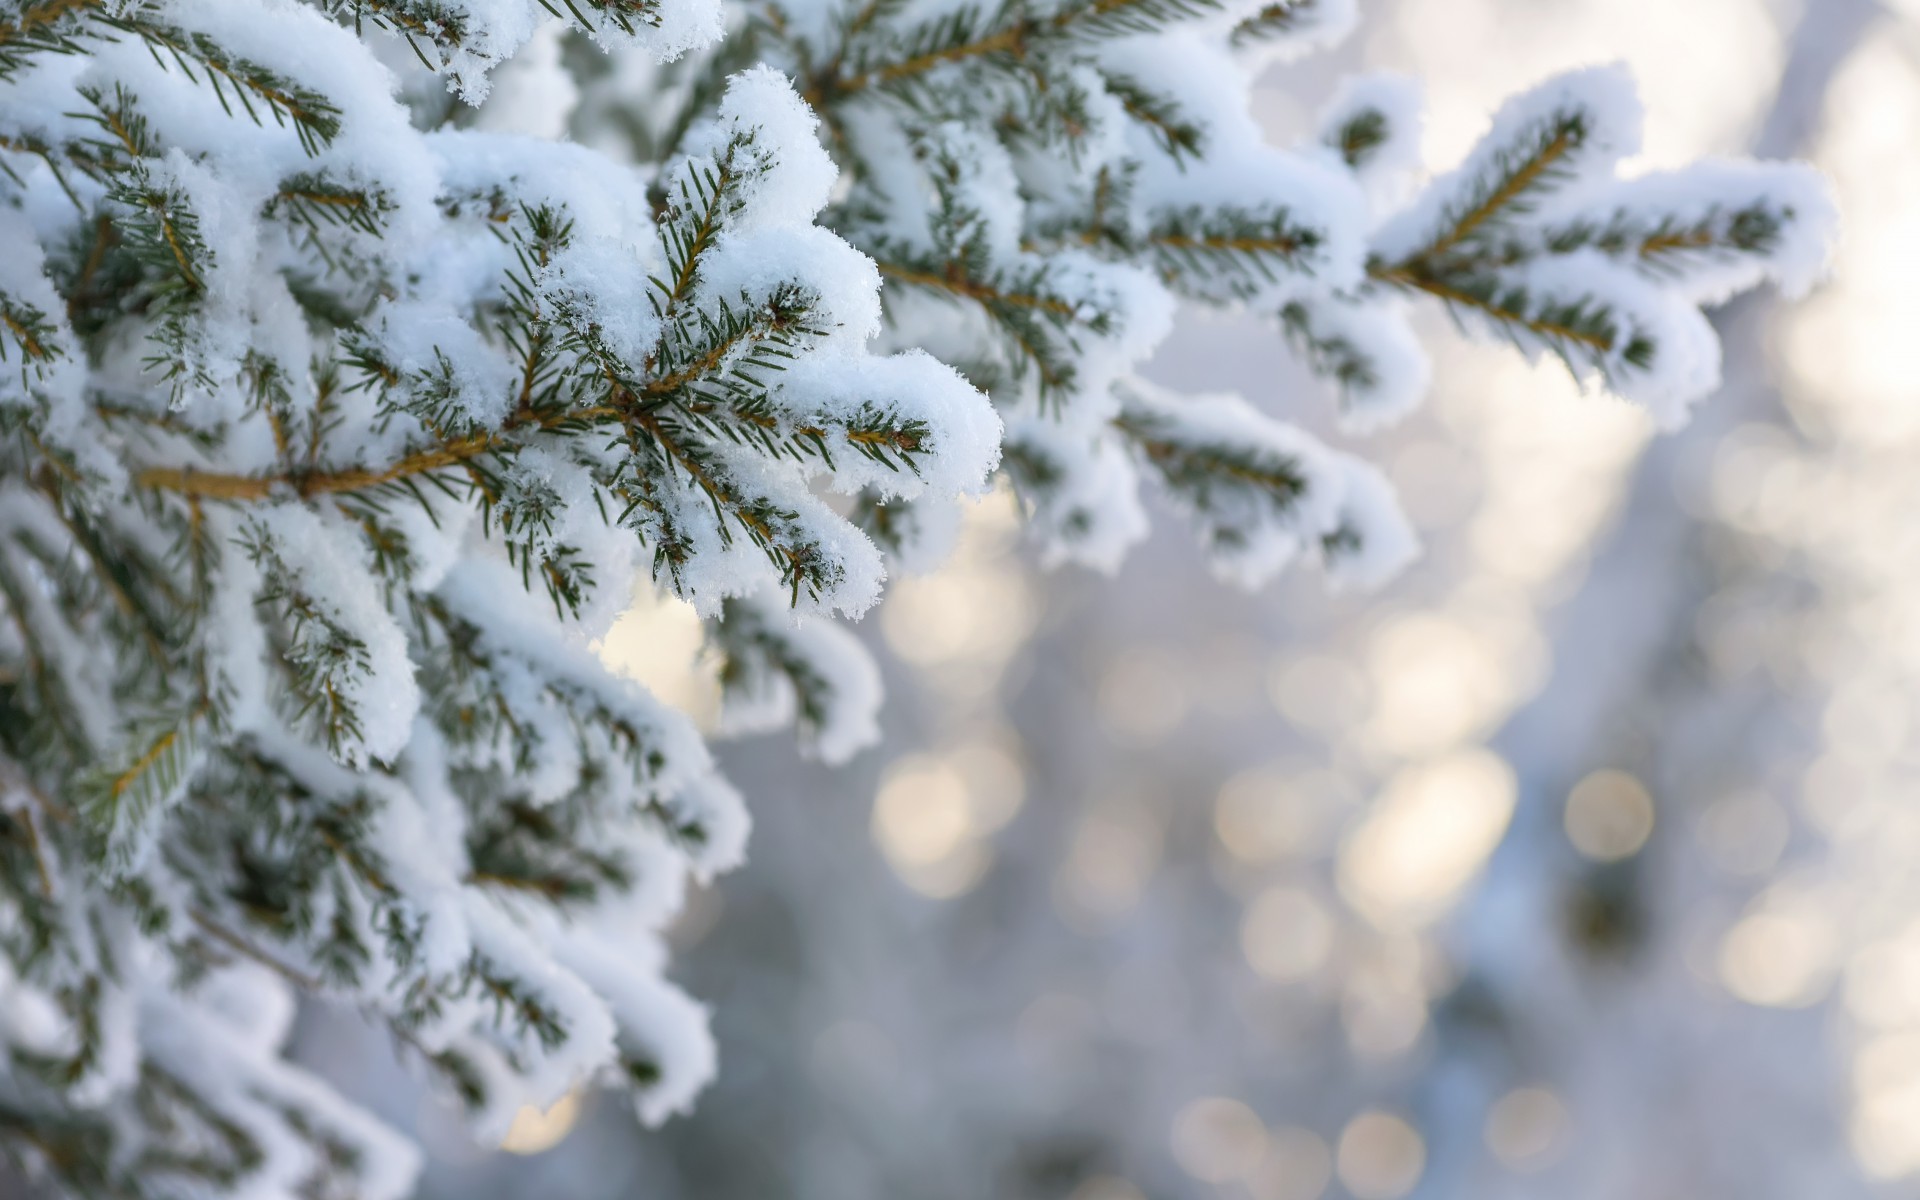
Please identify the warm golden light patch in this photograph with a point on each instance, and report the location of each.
(1427, 836)
(535, 1132)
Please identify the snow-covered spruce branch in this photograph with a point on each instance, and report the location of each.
(1536, 239)
(1043, 183)
(333, 432)
(329, 443)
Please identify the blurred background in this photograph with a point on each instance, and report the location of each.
(1583, 861)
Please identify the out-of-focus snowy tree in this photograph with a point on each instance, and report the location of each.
(354, 402)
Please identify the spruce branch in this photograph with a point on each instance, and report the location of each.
(890, 523)
(1119, 18)
(1205, 470)
(690, 225)
(1580, 331)
(1330, 354)
(1177, 133)
(45, 27)
(546, 851)
(1008, 35)
(313, 201)
(624, 15)
(1538, 160)
(994, 298)
(963, 34)
(1665, 244)
(1041, 326)
(752, 651)
(315, 118)
(1359, 137)
(33, 337)
(55, 157)
(1201, 247)
(124, 796)
(1282, 18)
(415, 20)
(803, 564)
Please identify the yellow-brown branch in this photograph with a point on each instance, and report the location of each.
(1159, 450)
(29, 344)
(42, 15)
(1692, 239)
(709, 223)
(352, 200)
(959, 285)
(1010, 40)
(179, 252)
(705, 365)
(214, 486)
(126, 778)
(1287, 246)
(1453, 295)
(1515, 186)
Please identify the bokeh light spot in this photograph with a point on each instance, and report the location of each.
(1525, 1128)
(1609, 816)
(1381, 1156)
(1216, 1139)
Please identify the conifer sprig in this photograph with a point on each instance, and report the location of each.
(237, 80)
(1203, 470)
(1198, 248)
(1539, 160)
(1281, 18)
(45, 27)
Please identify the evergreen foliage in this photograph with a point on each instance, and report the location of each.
(334, 428)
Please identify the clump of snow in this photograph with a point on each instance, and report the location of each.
(788, 174)
(1372, 540)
